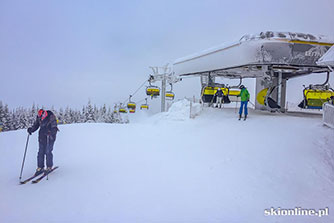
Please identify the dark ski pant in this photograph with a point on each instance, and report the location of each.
(243, 104)
(45, 150)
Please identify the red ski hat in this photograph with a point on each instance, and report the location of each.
(42, 114)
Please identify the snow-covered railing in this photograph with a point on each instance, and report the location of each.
(195, 107)
(328, 115)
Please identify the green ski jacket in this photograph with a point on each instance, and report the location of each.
(244, 94)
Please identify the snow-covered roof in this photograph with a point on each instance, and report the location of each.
(258, 36)
(328, 58)
(287, 36)
(286, 48)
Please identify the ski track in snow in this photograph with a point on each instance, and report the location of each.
(170, 168)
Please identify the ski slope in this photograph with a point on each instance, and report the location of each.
(169, 168)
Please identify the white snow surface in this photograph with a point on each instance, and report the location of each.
(171, 168)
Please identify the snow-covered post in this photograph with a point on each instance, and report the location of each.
(163, 93)
(191, 104)
(328, 115)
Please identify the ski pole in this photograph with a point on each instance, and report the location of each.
(47, 148)
(24, 157)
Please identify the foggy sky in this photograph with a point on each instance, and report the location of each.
(65, 52)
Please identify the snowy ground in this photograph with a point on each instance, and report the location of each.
(169, 168)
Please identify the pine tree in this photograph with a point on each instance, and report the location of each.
(61, 116)
(7, 119)
(103, 114)
(89, 112)
(2, 115)
(21, 118)
(32, 115)
(67, 116)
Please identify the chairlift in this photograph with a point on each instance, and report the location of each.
(132, 110)
(144, 106)
(151, 90)
(131, 105)
(170, 94)
(232, 94)
(234, 90)
(115, 109)
(208, 93)
(316, 95)
(122, 109)
(263, 98)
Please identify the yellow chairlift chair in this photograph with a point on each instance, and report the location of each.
(144, 106)
(131, 104)
(316, 96)
(170, 94)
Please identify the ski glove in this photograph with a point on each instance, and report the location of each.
(29, 130)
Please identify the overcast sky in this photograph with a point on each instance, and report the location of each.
(60, 52)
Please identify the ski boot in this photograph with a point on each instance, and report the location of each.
(245, 118)
(39, 171)
(239, 117)
(48, 170)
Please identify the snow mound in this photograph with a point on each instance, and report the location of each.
(181, 110)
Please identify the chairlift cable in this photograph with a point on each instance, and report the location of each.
(135, 91)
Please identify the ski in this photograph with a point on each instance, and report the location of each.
(30, 178)
(44, 175)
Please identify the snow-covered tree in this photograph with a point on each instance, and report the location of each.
(21, 118)
(6, 120)
(2, 116)
(89, 113)
(61, 116)
(67, 116)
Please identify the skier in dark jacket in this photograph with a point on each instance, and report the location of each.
(46, 121)
(219, 98)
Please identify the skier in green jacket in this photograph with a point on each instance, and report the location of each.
(244, 94)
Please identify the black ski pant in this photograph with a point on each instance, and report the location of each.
(45, 150)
